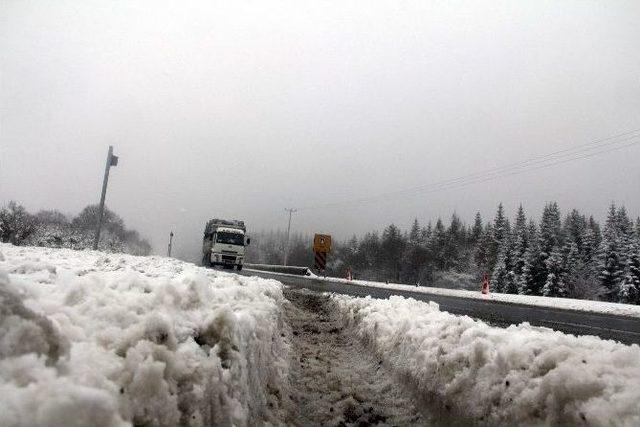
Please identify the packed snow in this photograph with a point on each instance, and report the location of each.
(521, 375)
(335, 379)
(88, 338)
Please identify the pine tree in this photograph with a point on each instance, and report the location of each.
(453, 248)
(623, 223)
(555, 285)
(612, 254)
(501, 231)
(589, 245)
(629, 292)
(550, 228)
(476, 231)
(520, 243)
(392, 247)
(597, 233)
(611, 269)
(414, 234)
(426, 233)
(574, 228)
(500, 275)
(511, 284)
(534, 272)
(571, 258)
(549, 237)
(437, 245)
(481, 252)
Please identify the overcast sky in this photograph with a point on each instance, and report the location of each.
(239, 109)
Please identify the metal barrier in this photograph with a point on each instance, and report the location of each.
(297, 271)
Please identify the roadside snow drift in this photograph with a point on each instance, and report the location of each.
(521, 375)
(88, 338)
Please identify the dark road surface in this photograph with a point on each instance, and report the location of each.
(607, 326)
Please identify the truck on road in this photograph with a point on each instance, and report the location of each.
(224, 243)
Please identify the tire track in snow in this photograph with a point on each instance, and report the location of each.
(335, 381)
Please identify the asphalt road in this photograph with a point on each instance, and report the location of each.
(607, 326)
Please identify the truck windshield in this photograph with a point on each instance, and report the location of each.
(230, 238)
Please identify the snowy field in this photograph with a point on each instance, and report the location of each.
(88, 338)
(521, 375)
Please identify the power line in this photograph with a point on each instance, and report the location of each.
(579, 152)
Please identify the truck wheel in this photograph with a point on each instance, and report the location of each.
(239, 267)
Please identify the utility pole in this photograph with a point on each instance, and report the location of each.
(170, 242)
(286, 247)
(111, 161)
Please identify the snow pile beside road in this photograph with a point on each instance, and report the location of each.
(521, 375)
(88, 338)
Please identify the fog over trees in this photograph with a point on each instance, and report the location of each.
(569, 255)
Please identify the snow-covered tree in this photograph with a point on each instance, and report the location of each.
(501, 230)
(500, 275)
(575, 225)
(590, 244)
(550, 228)
(392, 246)
(481, 251)
(555, 285)
(520, 243)
(613, 252)
(476, 231)
(16, 224)
(511, 283)
(629, 291)
(414, 234)
(534, 272)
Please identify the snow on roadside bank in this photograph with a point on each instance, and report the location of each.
(88, 338)
(521, 375)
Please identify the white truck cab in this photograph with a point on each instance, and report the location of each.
(224, 243)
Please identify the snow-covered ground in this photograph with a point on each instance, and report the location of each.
(88, 338)
(521, 375)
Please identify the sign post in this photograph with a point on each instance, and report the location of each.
(111, 161)
(321, 247)
(170, 244)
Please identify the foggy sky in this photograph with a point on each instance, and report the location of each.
(239, 109)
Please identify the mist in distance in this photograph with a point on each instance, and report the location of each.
(241, 110)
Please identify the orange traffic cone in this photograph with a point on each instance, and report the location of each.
(485, 284)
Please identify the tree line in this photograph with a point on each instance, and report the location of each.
(52, 228)
(570, 256)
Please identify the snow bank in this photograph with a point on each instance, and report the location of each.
(521, 375)
(88, 338)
